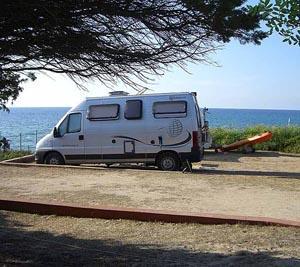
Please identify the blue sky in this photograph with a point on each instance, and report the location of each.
(249, 76)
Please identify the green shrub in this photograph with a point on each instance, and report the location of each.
(285, 139)
(12, 154)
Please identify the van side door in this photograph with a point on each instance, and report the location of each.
(70, 138)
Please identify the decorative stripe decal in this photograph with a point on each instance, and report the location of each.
(110, 156)
(130, 138)
(188, 139)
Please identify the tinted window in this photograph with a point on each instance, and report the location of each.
(74, 124)
(103, 112)
(169, 109)
(133, 109)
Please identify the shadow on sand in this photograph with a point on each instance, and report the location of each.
(210, 169)
(290, 175)
(41, 248)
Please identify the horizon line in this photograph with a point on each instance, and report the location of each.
(244, 108)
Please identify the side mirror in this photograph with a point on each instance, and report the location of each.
(56, 133)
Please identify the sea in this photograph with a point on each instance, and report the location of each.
(25, 126)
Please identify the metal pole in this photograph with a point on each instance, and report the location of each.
(36, 137)
(20, 141)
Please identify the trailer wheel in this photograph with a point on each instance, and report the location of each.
(54, 158)
(168, 162)
(248, 149)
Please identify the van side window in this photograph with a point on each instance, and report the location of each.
(62, 128)
(133, 109)
(104, 112)
(169, 109)
(71, 124)
(74, 124)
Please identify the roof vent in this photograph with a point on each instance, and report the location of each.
(118, 93)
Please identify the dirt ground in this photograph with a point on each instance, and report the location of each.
(263, 184)
(265, 161)
(34, 240)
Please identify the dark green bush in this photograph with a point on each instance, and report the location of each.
(285, 139)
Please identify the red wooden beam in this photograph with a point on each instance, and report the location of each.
(103, 212)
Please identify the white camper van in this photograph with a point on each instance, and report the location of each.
(160, 129)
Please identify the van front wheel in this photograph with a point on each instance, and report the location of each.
(168, 162)
(54, 158)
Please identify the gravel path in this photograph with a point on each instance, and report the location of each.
(266, 184)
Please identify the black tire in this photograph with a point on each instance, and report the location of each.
(248, 149)
(54, 158)
(168, 162)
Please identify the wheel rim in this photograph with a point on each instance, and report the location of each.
(168, 163)
(54, 161)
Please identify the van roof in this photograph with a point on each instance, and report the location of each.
(143, 95)
(83, 104)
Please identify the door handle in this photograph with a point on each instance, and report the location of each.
(81, 137)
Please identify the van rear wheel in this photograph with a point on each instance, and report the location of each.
(168, 162)
(54, 158)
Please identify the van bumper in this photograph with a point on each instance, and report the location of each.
(195, 155)
(39, 156)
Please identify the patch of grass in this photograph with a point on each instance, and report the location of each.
(13, 154)
(285, 139)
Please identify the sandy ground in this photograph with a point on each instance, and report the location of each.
(33, 240)
(262, 184)
(266, 161)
